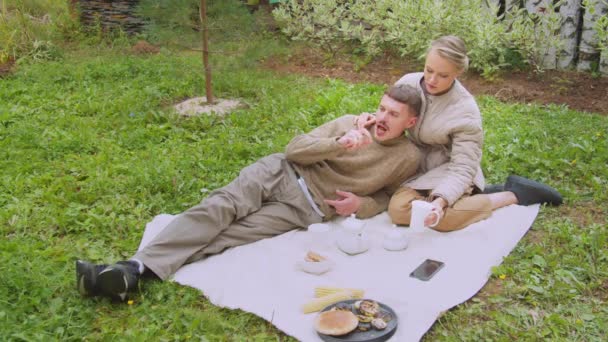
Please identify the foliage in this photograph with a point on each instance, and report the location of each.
(534, 35)
(601, 23)
(91, 150)
(87, 162)
(177, 22)
(34, 28)
(371, 26)
(326, 23)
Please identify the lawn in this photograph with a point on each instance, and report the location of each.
(91, 150)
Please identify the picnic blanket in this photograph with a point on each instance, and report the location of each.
(262, 277)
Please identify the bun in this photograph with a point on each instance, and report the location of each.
(336, 322)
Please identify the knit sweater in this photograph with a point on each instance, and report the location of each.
(373, 172)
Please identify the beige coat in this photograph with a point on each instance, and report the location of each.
(450, 135)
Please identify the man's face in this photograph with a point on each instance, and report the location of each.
(392, 119)
(439, 73)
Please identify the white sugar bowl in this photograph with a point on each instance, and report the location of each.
(395, 239)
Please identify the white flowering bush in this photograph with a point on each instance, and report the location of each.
(534, 34)
(327, 23)
(407, 27)
(601, 24)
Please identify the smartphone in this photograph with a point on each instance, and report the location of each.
(427, 269)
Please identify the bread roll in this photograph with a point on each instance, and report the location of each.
(336, 322)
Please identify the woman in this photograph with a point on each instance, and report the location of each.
(449, 134)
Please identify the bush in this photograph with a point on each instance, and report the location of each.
(601, 24)
(34, 28)
(373, 26)
(177, 22)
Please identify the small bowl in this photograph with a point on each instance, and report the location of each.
(315, 267)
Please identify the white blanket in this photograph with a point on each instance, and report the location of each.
(262, 278)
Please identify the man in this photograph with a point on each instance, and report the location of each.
(336, 169)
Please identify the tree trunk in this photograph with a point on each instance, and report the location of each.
(208, 90)
(589, 54)
(571, 12)
(73, 5)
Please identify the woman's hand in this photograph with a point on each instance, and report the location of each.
(365, 120)
(437, 212)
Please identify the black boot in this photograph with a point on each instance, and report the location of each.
(118, 279)
(86, 277)
(531, 192)
(493, 188)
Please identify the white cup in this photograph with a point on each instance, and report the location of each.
(420, 210)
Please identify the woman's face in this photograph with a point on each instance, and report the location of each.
(439, 73)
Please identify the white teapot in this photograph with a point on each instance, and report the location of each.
(352, 239)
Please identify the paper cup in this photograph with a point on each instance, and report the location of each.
(420, 210)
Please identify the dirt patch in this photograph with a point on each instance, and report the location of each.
(199, 105)
(142, 47)
(577, 90)
(7, 67)
(492, 288)
(584, 214)
(602, 291)
(535, 237)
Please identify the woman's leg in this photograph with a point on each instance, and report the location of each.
(400, 205)
(467, 210)
(502, 199)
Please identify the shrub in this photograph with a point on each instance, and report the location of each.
(34, 28)
(534, 35)
(177, 22)
(601, 24)
(373, 26)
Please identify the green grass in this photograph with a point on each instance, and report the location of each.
(90, 151)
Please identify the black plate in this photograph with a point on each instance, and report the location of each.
(371, 335)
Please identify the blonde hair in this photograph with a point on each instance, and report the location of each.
(453, 49)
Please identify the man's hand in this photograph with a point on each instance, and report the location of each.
(365, 120)
(348, 204)
(355, 139)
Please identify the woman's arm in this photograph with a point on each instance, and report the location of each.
(465, 159)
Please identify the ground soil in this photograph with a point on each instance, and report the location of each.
(142, 47)
(577, 90)
(6, 67)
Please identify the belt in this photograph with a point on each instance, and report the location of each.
(304, 187)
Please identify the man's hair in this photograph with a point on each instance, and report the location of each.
(406, 94)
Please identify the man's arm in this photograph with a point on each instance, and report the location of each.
(326, 142)
(374, 204)
(365, 206)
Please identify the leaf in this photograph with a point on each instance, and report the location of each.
(539, 261)
(537, 289)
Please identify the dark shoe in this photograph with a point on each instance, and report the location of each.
(86, 277)
(531, 192)
(493, 188)
(118, 279)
